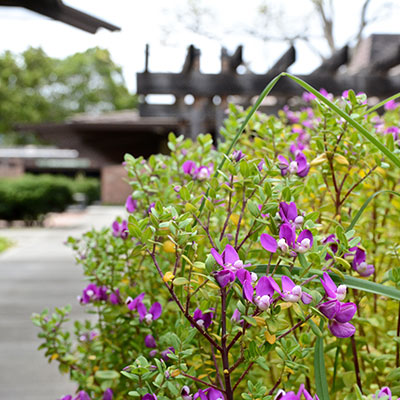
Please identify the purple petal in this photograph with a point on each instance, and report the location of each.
(142, 310)
(264, 287)
(268, 242)
(274, 285)
(214, 394)
(188, 167)
(217, 257)
(248, 290)
(330, 308)
(242, 274)
(287, 284)
(197, 314)
(130, 204)
(329, 286)
(108, 394)
(150, 342)
(346, 312)
(207, 318)
(224, 277)
(287, 232)
(306, 234)
(283, 162)
(360, 256)
(230, 255)
(306, 298)
(155, 310)
(341, 330)
(385, 391)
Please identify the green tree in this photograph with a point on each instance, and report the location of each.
(37, 88)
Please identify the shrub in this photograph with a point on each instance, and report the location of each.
(264, 268)
(31, 197)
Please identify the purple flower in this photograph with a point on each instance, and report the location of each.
(150, 342)
(291, 116)
(293, 293)
(132, 304)
(231, 263)
(264, 290)
(201, 173)
(390, 105)
(115, 297)
(360, 265)
(82, 395)
(307, 97)
(164, 354)
(108, 394)
(149, 396)
(130, 204)
(238, 155)
(297, 166)
(189, 167)
(333, 246)
(260, 165)
(208, 394)
(339, 315)
(236, 316)
(384, 394)
(394, 130)
(332, 291)
(325, 93)
(282, 395)
(151, 315)
(92, 292)
(203, 320)
(185, 393)
(120, 229)
(268, 243)
(152, 205)
(288, 213)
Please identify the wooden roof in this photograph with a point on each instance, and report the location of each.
(57, 10)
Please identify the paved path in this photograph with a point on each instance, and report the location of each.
(39, 272)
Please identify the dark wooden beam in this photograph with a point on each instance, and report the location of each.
(331, 65)
(287, 59)
(192, 60)
(389, 60)
(57, 10)
(208, 85)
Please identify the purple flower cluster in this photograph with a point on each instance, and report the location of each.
(338, 313)
(359, 263)
(232, 265)
(282, 395)
(120, 229)
(298, 166)
(93, 293)
(385, 394)
(148, 316)
(82, 395)
(288, 240)
(200, 173)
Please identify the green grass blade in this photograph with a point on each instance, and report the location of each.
(347, 117)
(319, 368)
(365, 205)
(382, 103)
(255, 107)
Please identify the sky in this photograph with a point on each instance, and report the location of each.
(156, 22)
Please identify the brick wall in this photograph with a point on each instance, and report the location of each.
(114, 186)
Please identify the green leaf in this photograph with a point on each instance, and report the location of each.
(106, 374)
(321, 383)
(365, 205)
(180, 281)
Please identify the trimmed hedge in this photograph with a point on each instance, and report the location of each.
(31, 197)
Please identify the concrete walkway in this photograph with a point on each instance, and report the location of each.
(39, 272)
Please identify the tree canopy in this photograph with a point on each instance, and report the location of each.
(37, 88)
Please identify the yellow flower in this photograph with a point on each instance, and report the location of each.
(168, 276)
(169, 247)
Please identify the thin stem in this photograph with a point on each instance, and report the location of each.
(398, 344)
(225, 350)
(294, 327)
(216, 366)
(356, 365)
(201, 381)
(206, 230)
(242, 376)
